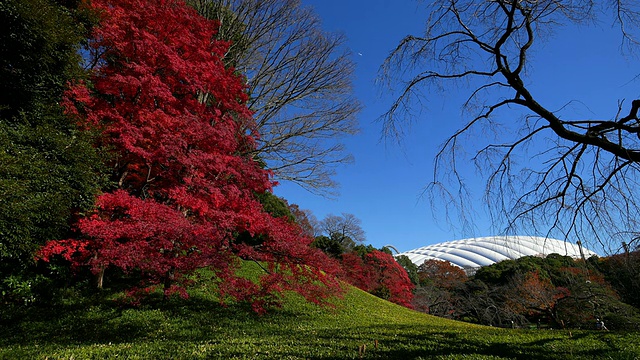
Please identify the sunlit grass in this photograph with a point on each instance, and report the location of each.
(360, 326)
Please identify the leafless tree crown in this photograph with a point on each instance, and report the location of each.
(299, 79)
(345, 225)
(581, 180)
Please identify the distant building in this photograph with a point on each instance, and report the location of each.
(471, 254)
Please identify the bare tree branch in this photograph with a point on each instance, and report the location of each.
(343, 225)
(580, 179)
(299, 79)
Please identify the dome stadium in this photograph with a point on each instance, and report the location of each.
(477, 252)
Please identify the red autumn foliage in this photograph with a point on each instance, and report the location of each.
(533, 294)
(174, 118)
(441, 274)
(380, 274)
(357, 273)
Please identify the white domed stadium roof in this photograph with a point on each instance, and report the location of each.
(477, 252)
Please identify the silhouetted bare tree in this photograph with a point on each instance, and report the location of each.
(582, 178)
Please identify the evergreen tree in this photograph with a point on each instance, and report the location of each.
(48, 166)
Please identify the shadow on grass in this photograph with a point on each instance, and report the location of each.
(178, 327)
(107, 321)
(402, 342)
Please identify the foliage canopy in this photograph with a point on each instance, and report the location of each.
(174, 118)
(49, 169)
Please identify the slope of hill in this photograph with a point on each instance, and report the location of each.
(360, 326)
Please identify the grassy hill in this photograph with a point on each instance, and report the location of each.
(201, 329)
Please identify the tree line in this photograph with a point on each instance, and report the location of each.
(551, 292)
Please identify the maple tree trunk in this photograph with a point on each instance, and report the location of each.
(100, 278)
(168, 281)
(99, 275)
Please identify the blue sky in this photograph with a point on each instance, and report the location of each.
(383, 187)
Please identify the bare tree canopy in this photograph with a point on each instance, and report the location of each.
(581, 181)
(343, 226)
(299, 79)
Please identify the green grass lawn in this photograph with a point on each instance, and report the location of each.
(201, 329)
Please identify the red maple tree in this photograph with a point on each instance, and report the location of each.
(441, 274)
(174, 119)
(380, 274)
